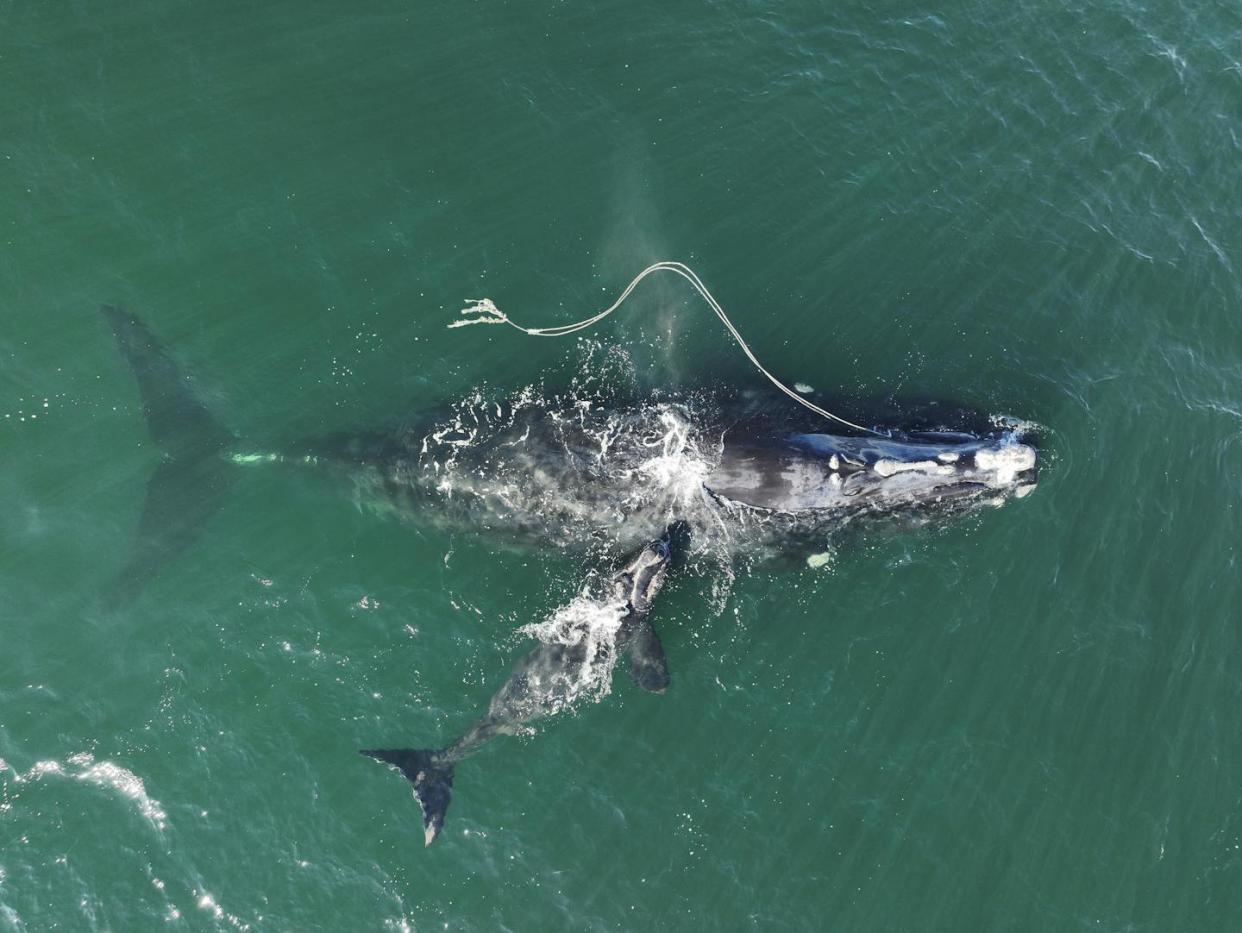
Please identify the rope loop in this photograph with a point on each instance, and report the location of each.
(484, 311)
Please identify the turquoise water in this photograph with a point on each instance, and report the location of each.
(1026, 720)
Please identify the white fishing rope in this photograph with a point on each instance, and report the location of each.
(484, 311)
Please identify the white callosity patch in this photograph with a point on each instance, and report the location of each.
(890, 467)
(997, 464)
(1006, 460)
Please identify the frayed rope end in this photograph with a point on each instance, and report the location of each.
(486, 310)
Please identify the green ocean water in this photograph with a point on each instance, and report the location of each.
(1025, 720)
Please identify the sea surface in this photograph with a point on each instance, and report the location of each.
(1026, 720)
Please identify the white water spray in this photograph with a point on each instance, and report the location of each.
(593, 625)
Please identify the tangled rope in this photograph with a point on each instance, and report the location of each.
(484, 311)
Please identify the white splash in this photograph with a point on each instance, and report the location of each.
(12, 918)
(678, 472)
(83, 767)
(591, 624)
(206, 903)
(36, 771)
(128, 784)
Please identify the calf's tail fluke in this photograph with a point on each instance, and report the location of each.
(188, 486)
(432, 777)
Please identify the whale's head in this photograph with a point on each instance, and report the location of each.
(642, 577)
(910, 471)
(923, 467)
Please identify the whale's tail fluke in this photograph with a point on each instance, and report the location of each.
(189, 485)
(432, 777)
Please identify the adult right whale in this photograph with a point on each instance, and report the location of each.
(750, 474)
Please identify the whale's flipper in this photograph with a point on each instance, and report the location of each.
(188, 487)
(648, 665)
(432, 778)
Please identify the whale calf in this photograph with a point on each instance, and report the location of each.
(547, 680)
